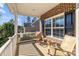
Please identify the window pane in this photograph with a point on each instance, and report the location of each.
(48, 31)
(58, 22)
(61, 24)
(48, 23)
(68, 21)
(69, 31)
(61, 33)
(56, 32)
(48, 27)
(53, 23)
(70, 24)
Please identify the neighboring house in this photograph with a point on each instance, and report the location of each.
(27, 24)
(36, 25)
(32, 27)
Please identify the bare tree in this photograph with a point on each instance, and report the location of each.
(28, 19)
(33, 20)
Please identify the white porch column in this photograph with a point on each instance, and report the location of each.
(16, 24)
(40, 24)
(77, 29)
(16, 21)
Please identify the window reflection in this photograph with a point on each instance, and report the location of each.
(68, 21)
(48, 23)
(61, 26)
(48, 31)
(69, 24)
(58, 22)
(48, 27)
(58, 33)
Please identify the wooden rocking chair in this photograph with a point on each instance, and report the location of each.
(67, 45)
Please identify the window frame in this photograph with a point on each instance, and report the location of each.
(47, 27)
(59, 27)
(72, 22)
(59, 15)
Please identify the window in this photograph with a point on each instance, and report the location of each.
(48, 27)
(58, 27)
(61, 25)
(69, 23)
(58, 22)
(48, 31)
(48, 23)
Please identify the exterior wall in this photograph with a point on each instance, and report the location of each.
(77, 29)
(62, 7)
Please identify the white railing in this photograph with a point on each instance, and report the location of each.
(9, 48)
(21, 34)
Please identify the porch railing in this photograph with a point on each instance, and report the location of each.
(9, 48)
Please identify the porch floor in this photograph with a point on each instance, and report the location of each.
(27, 49)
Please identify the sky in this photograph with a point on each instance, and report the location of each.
(6, 16)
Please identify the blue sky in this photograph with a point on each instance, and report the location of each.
(6, 15)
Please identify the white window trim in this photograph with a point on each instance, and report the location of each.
(46, 27)
(59, 15)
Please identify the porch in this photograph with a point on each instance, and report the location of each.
(16, 46)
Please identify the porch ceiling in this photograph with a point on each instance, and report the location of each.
(31, 9)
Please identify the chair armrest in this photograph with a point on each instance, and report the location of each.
(56, 43)
(60, 49)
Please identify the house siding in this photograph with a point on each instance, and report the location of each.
(62, 7)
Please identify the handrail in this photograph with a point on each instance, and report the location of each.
(7, 44)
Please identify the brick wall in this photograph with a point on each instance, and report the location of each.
(34, 28)
(62, 7)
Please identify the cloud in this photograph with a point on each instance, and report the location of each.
(1, 5)
(20, 21)
(2, 11)
(4, 19)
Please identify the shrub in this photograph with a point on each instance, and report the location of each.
(6, 30)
